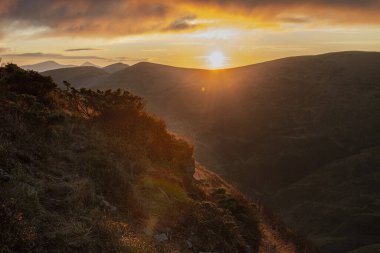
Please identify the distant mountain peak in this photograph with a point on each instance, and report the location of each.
(117, 64)
(115, 67)
(89, 64)
(145, 63)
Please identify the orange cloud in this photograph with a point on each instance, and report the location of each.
(275, 12)
(115, 18)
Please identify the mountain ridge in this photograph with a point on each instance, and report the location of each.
(113, 68)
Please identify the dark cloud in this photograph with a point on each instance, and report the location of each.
(183, 23)
(53, 56)
(81, 49)
(89, 17)
(55, 11)
(295, 20)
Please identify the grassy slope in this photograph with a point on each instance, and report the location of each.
(75, 182)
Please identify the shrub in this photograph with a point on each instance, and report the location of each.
(26, 82)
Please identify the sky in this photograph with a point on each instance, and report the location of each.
(187, 33)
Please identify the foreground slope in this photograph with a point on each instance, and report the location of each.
(84, 171)
(269, 125)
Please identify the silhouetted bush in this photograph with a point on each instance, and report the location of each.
(25, 82)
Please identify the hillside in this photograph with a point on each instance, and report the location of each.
(347, 190)
(268, 126)
(85, 171)
(84, 76)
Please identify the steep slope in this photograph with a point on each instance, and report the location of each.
(85, 171)
(269, 125)
(348, 192)
(46, 66)
(367, 249)
(274, 235)
(85, 76)
(113, 68)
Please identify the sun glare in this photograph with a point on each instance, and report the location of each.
(216, 60)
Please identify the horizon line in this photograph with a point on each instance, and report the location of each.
(190, 68)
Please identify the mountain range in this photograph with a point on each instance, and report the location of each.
(300, 134)
(52, 65)
(45, 66)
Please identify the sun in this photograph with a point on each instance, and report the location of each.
(216, 60)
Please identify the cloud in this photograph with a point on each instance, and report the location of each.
(339, 12)
(52, 56)
(183, 23)
(287, 3)
(81, 49)
(4, 6)
(116, 18)
(3, 49)
(89, 17)
(295, 20)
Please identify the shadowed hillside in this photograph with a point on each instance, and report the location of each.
(267, 126)
(84, 76)
(348, 192)
(92, 171)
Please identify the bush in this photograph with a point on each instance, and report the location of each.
(121, 115)
(21, 81)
